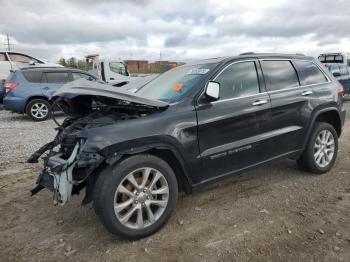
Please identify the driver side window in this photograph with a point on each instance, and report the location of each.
(238, 80)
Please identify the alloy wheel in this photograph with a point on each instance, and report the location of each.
(141, 198)
(39, 110)
(324, 148)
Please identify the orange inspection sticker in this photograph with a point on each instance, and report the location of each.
(177, 87)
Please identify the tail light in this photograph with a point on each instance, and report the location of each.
(340, 89)
(9, 86)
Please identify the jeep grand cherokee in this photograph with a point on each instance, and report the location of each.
(192, 125)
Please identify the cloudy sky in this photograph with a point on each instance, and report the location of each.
(181, 30)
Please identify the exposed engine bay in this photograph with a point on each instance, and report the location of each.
(67, 167)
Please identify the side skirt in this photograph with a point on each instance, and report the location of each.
(200, 185)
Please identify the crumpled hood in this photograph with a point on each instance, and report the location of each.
(83, 87)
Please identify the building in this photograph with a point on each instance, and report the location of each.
(161, 66)
(136, 66)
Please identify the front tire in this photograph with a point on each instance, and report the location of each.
(38, 109)
(321, 151)
(135, 197)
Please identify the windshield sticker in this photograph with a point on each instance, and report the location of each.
(177, 87)
(198, 71)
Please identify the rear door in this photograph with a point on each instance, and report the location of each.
(231, 131)
(289, 101)
(53, 80)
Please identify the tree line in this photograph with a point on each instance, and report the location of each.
(75, 63)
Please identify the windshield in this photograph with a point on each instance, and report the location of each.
(175, 83)
(118, 68)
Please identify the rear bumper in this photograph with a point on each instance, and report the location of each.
(15, 104)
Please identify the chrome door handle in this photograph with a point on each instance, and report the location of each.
(306, 93)
(259, 102)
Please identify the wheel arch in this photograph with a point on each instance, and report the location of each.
(328, 115)
(331, 117)
(166, 152)
(33, 98)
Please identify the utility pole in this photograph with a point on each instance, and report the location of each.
(8, 44)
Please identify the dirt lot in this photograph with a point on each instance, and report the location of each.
(274, 213)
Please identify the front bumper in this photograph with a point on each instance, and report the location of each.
(57, 176)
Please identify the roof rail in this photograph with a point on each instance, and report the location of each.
(247, 53)
(43, 67)
(299, 54)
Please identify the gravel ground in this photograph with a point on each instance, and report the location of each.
(273, 213)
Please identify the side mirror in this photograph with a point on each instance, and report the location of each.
(31, 62)
(212, 91)
(336, 74)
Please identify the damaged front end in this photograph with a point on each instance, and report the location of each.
(66, 166)
(73, 156)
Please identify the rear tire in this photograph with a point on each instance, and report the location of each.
(38, 109)
(131, 203)
(321, 151)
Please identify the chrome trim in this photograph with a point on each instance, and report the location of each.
(296, 88)
(239, 97)
(300, 59)
(234, 98)
(267, 92)
(259, 102)
(235, 62)
(249, 140)
(306, 93)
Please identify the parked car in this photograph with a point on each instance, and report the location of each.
(15, 60)
(191, 126)
(2, 89)
(341, 73)
(29, 89)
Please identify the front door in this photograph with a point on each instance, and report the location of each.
(231, 131)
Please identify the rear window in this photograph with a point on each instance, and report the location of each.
(310, 73)
(20, 58)
(2, 57)
(279, 74)
(57, 77)
(33, 76)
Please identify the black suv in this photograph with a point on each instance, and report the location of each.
(192, 125)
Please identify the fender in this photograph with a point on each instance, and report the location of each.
(134, 147)
(314, 117)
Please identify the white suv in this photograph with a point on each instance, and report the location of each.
(14, 60)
